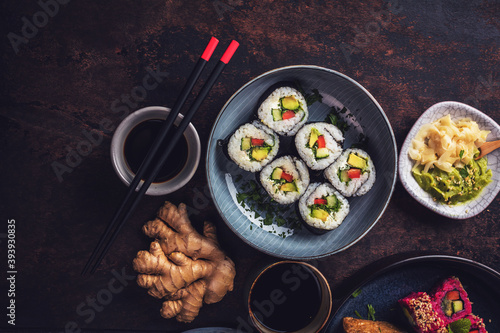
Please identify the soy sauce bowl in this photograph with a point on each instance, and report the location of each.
(289, 296)
(122, 167)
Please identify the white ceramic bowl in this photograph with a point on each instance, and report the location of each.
(456, 111)
(118, 158)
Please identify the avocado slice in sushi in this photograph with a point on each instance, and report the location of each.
(260, 153)
(319, 213)
(288, 187)
(356, 161)
(313, 137)
(290, 103)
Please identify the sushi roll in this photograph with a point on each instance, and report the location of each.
(284, 111)
(419, 311)
(352, 174)
(252, 146)
(450, 300)
(318, 144)
(477, 324)
(285, 179)
(323, 207)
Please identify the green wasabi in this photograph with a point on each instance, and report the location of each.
(458, 186)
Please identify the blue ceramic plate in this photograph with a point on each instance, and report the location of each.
(456, 111)
(227, 182)
(386, 286)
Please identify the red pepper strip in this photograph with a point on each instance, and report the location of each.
(288, 114)
(257, 142)
(286, 176)
(354, 173)
(320, 201)
(321, 142)
(453, 295)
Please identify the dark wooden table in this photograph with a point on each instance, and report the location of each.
(70, 68)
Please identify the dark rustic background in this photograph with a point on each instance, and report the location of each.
(78, 69)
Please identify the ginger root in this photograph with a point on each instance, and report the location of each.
(182, 266)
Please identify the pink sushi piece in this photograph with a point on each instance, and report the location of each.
(477, 323)
(419, 310)
(450, 300)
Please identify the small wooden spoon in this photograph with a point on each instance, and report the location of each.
(487, 148)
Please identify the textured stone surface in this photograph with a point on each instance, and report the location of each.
(76, 75)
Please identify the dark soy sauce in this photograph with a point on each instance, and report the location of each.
(141, 138)
(286, 297)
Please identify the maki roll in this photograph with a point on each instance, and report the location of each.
(318, 144)
(419, 311)
(252, 146)
(353, 173)
(284, 111)
(450, 300)
(285, 179)
(323, 207)
(477, 324)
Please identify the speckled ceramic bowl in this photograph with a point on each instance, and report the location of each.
(456, 111)
(228, 183)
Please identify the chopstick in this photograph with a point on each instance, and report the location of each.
(128, 206)
(167, 125)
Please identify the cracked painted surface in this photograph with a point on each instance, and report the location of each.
(77, 75)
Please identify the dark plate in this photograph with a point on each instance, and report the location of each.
(211, 330)
(388, 284)
(365, 118)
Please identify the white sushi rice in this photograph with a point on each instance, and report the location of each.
(320, 190)
(333, 139)
(368, 184)
(286, 127)
(291, 165)
(254, 130)
(357, 186)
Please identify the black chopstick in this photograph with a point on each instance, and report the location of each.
(167, 125)
(127, 207)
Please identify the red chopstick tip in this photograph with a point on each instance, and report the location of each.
(229, 52)
(209, 50)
